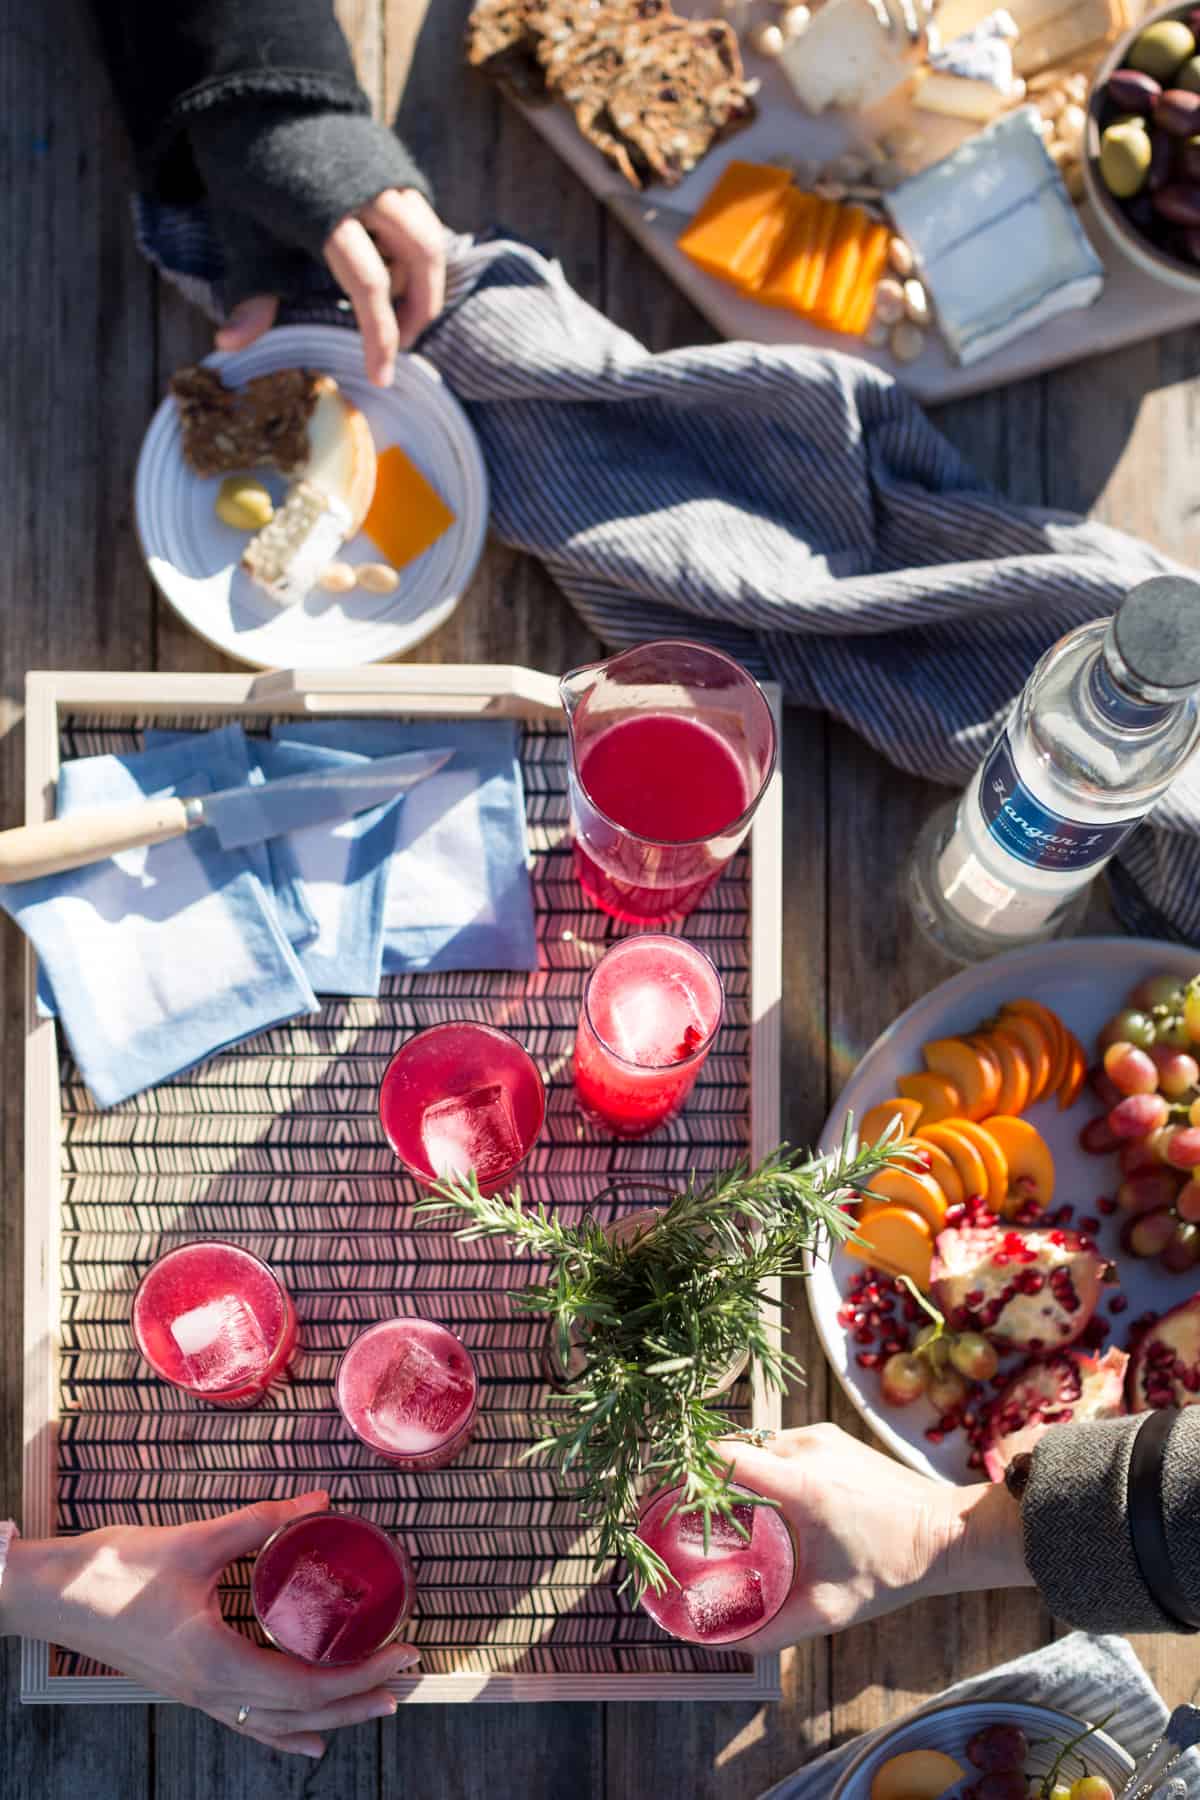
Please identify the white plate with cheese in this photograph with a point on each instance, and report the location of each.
(194, 557)
(1132, 307)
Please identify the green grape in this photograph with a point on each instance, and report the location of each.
(1173, 1033)
(1130, 1027)
(1191, 1013)
(1157, 990)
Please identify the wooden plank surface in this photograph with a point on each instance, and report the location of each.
(89, 340)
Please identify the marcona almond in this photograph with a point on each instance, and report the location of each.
(336, 578)
(377, 578)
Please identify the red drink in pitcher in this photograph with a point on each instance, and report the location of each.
(736, 1588)
(462, 1098)
(409, 1390)
(332, 1588)
(215, 1321)
(651, 1009)
(672, 747)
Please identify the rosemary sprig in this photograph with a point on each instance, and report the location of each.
(658, 1319)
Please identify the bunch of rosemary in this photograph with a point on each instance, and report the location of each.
(660, 1318)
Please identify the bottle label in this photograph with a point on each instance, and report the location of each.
(1031, 832)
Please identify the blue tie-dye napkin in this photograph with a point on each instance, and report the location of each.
(158, 957)
(459, 894)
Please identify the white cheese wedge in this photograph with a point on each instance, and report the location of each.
(286, 556)
(846, 60)
(996, 238)
(972, 78)
(1068, 32)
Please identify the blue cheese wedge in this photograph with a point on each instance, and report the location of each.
(847, 61)
(997, 240)
(972, 78)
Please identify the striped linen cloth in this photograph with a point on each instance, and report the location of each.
(1092, 1678)
(793, 507)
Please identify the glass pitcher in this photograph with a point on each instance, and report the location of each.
(672, 747)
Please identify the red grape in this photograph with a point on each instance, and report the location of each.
(1187, 1202)
(1183, 1251)
(1098, 1137)
(1150, 1189)
(1149, 1234)
(998, 1747)
(947, 1391)
(1102, 1087)
(1183, 1146)
(1137, 1115)
(1177, 1072)
(1137, 1157)
(1130, 1070)
(904, 1377)
(973, 1356)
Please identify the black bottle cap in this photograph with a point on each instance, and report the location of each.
(1157, 630)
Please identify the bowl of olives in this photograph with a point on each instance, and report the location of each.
(1141, 166)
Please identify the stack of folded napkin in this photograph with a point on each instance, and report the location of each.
(159, 957)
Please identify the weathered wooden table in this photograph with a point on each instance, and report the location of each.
(88, 339)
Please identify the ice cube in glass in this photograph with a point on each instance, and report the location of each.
(221, 1342)
(313, 1608)
(723, 1533)
(726, 1601)
(475, 1131)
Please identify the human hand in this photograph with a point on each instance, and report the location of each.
(389, 260)
(871, 1535)
(144, 1600)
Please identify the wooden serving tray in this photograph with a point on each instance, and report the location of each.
(276, 1143)
(1133, 306)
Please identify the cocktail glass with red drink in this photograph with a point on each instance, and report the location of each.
(409, 1390)
(462, 1098)
(732, 1590)
(672, 748)
(216, 1322)
(650, 1012)
(332, 1588)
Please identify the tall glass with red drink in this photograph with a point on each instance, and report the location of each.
(462, 1098)
(650, 1012)
(672, 747)
(732, 1591)
(332, 1588)
(408, 1388)
(215, 1321)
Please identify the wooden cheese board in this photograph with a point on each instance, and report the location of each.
(276, 1143)
(1133, 306)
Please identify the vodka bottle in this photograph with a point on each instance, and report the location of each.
(1106, 721)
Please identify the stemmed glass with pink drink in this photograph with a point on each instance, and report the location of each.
(672, 748)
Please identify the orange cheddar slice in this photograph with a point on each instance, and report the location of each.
(814, 273)
(784, 281)
(407, 515)
(841, 267)
(861, 308)
(726, 236)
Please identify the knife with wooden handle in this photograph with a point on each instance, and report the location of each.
(239, 816)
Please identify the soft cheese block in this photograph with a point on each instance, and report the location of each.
(846, 60)
(996, 237)
(1057, 33)
(972, 78)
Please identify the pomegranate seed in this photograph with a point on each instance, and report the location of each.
(1118, 1303)
(955, 1216)
(934, 1435)
(1091, 1225)
(894, 1345)
(1036, 1344)
(975, 1298)
(1191, 1381)
(975, 1460)
(868, 1359)
(845, 1315)
(1000, 1260)
(912, 1312)
(1106, 1206)
(1031, 1282)
(949, 1421)
(864, 1335)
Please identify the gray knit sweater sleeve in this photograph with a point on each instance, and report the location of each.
(1076, 1524)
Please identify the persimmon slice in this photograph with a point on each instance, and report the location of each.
(939, 1098)
(876, 1119)
(992, 1156)
(1016, 1071)
(943, 1171)
(909, 1187)
(1056, 1036)
(896, 1240)
(1030, 1164)
(1030, 1033)
(972, 1171)
(975, 1074)
(1072, 1082)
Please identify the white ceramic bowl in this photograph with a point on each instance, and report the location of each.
(948, 1728)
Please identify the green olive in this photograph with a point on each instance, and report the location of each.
(243, 503)
(1188, 77)
(1162, 49)
(1125, 158)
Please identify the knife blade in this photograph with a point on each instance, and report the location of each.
(240, 816)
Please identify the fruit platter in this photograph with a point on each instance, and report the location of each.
(1033, 1256)
(904, 183)
(988, 1750)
